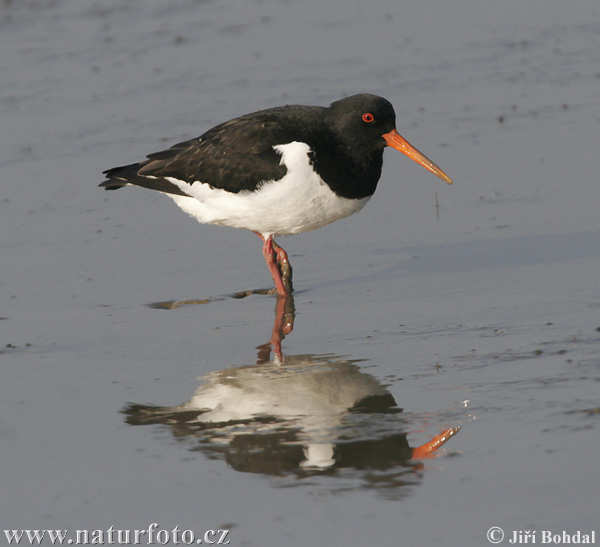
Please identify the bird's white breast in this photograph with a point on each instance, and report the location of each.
(299, 202)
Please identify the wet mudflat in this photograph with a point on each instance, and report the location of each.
(136, 390)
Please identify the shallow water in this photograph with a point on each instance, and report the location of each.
(482, 313)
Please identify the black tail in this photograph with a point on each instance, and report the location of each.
(117, 177)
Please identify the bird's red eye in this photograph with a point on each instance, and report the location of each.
(368, 117)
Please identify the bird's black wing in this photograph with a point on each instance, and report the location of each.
(236, 155)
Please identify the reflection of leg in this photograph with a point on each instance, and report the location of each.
(427, 450)
(285, 267)
(283, 325)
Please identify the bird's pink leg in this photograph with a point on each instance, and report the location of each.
(271, 257)
(285, 267)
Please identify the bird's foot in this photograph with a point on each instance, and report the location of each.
(285, 268)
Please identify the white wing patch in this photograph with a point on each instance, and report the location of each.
(299, 202)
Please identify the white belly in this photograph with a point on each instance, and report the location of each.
(299, 202)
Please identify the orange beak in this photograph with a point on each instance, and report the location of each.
(395, 140)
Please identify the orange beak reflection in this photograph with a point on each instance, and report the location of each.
(395, 140)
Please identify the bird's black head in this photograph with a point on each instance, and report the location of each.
(365, 124)
(360, 121)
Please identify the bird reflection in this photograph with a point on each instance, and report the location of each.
(297, 416)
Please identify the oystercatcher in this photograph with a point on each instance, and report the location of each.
(279, 171)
